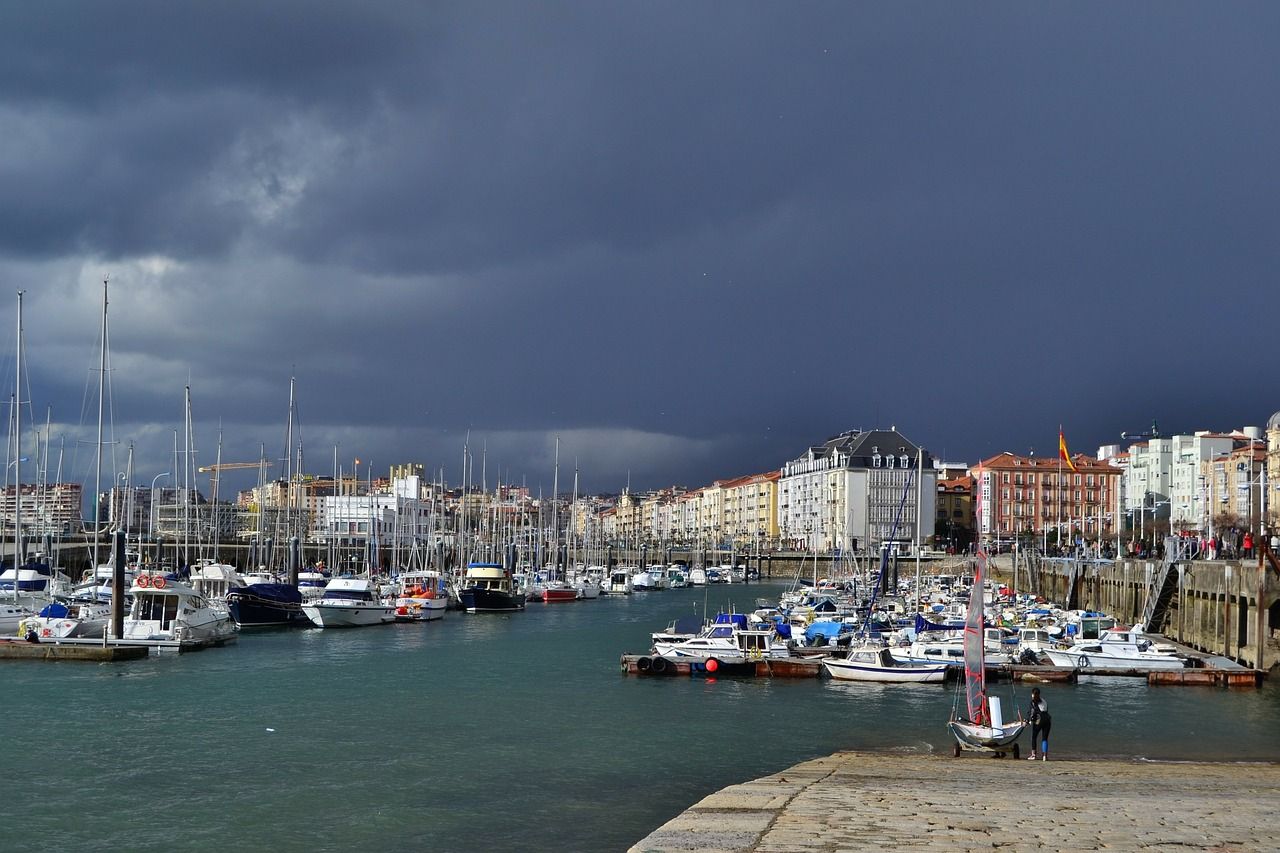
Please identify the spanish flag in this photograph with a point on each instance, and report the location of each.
(1062, 451)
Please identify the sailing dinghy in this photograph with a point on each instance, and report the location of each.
(984, 730)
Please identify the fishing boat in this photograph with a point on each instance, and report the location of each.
(983, 729)
(487, 588)
(874, 663)
(421, 596)
(348, 603)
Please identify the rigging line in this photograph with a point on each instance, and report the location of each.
(884, 555)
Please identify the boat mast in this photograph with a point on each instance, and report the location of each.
(97, 476)
(215, 482)
(17, 460)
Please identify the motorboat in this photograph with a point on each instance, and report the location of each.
(588, 587)
(421, 596)
(168, 614)
(676, 578)
(558, 592)
(1118, 649)
(215, 580)
(697, 576)
(619, 582)
(312, 584)
(265, 605)
(59, 621)
(874, 663)
(37, 584)
(487, 588)
(729, 639)
(349, 603)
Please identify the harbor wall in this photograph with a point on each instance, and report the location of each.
(1222, 607)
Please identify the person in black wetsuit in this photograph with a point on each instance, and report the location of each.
(1040, 724)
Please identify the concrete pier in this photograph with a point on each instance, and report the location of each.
(94, 652)
(882, 801)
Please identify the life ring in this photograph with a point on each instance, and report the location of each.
(1083, 662)
(658, 666)
(644, 664)
(45, 632)
(143, 581)
(158, 582)
(755, 654)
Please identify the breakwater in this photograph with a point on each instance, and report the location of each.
(871, 801)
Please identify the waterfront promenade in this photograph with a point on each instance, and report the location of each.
(886, 801)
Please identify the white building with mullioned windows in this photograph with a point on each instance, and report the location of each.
(857, 490)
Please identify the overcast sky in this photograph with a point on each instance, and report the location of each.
(689, 238)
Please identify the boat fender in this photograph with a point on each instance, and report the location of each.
(143, 581)
(159, 582)
(713, 665)
(659, 666)
(1083, 661)
(697, 666)
(644, 664)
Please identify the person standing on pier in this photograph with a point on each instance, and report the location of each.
(1040, 723)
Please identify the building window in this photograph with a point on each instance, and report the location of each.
(889, 460)
(875, 460)
(1004, 478)
(904, 461)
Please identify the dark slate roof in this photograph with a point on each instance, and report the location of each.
(862, 445)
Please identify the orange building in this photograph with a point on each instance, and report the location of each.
(1017, 494)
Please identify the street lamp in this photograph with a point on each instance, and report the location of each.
(153, 503)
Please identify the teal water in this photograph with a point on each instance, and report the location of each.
(485, 732)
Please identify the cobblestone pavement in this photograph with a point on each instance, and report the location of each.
(873, 801)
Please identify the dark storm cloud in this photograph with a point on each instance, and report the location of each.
(701, 234)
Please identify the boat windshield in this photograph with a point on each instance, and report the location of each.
(348, 594)
(156, 608)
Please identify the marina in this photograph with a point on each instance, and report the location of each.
(477, 699)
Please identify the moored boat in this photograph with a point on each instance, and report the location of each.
(348, 603)
(264, 605)
(169, 614)
(874, 663)
(487, 588)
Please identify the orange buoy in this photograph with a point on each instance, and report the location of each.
(712, 664)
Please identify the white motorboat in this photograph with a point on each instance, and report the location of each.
(676, 578)
(348, 603)
(642, 581)
(215, 580)
(587, 587)
(697, 576)
(1118, 649)
(619, 582)
(872, 663)
(728, 640)
(421, 596)
(67, 621)
(312, 585)
(168, 614)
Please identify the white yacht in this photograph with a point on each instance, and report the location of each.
(168, 614)
(1118, 649)
(67, 621)
(697, 576)
(348, 603)
(729, 640)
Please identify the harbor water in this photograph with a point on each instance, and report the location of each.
(488, 732)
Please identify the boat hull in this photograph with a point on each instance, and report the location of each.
(477, 600)
(361, 615)
(844, 670)
(1085, 661)
(551, 596)
(257, 607)
(975, 737)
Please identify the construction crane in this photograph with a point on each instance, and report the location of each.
(232, 466)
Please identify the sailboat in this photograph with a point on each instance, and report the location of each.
(984, 729)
